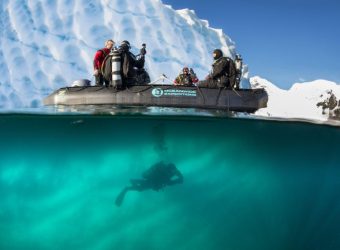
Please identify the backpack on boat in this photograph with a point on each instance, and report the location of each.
(231, 72)
(141, 75)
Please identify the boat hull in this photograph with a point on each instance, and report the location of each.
(244, 100)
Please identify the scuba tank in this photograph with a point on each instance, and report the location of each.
(116, 79)
(238, 65)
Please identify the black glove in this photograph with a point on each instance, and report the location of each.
(192, 71)
(142, 51)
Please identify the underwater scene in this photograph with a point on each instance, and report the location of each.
(79, 181)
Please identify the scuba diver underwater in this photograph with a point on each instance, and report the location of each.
(157, 177)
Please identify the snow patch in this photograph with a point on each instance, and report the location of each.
(301, 101)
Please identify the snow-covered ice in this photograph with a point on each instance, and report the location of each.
(48, 44)
(45, 45)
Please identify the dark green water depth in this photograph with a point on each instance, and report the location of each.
(248, 184)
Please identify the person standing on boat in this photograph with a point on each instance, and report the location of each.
(98, 62)
(222, 74)
(186, 78)
(131, 64)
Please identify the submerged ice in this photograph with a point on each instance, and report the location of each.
(243, 179)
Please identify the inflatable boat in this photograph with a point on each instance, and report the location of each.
(243, 100)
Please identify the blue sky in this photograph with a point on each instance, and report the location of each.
(284, 41)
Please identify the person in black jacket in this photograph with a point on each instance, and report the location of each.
(222, 74)
(130, 64)
(157, 177)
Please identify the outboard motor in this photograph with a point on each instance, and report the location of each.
(238, 66)
(116, 79)
(81, 83)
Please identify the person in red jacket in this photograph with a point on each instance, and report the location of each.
(98, 61)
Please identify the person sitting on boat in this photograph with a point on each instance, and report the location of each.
(131, 65)
(98, 62)
(156, 178)
(186, 78)
(222, 74)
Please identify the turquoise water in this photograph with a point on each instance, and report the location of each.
(248, 184)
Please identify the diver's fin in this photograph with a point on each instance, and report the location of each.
(120, 197)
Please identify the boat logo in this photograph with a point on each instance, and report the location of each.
(157, 92)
